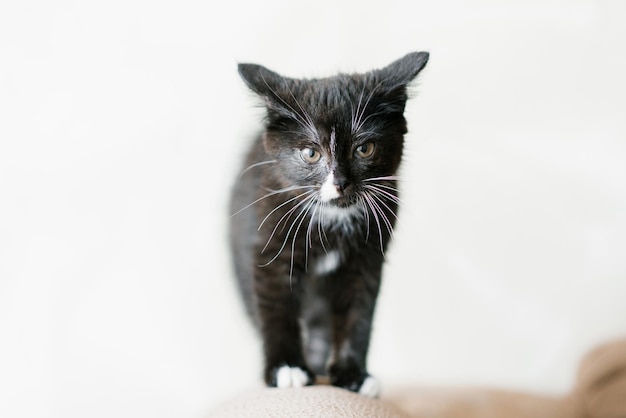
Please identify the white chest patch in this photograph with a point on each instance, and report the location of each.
(328, 263)
(328, 191)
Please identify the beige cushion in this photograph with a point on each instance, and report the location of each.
(311, 401)
(599, 393)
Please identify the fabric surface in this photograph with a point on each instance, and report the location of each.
(602, 382)
(311, 401)
(599, 393)
(477, 403)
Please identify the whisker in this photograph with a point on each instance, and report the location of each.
(360, 120)
(384, 186)
(392, 178)
(353, 118)
(367, 216)
(286, 237)
(286, 215)
(295, 235)
(368, 199)
(288, 189)
(308, 242)
(382, 202)
(309, 122)
(256, 165)
(299, 118)
(367, 135)
(385, 193)
(320, 219)
(272, 193)
(324, 223)
(281, 205)
(382, 214)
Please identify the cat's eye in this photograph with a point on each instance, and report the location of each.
(365, 150)
(310, 155)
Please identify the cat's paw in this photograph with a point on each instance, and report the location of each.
(370, 387)
(363, 384)
(290, 377)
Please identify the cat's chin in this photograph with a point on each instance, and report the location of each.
(341, 202)
(340, 214)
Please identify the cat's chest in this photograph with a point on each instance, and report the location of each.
(327, 262)
(332, 251)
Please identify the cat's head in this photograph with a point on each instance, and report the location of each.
(335, 133)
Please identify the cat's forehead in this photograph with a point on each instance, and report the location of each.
(335, 92)
(333, 102)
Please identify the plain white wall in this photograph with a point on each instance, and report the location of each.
(122, 124)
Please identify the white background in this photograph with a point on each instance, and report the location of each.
(122, 124)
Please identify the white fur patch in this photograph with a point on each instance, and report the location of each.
(370, 387)
(336, 214)
(329, 191)
(291, 377)
(328, 263)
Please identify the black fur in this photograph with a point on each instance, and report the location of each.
(281, 228)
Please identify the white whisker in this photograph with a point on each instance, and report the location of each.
(308, 242)
(368, 199)
(295, 234)
(367, 216)
(309, 122)
(360, 121)
(385, 218)
(385, 186)
(272, 193)
(280, 206)
(385, 193)
(306, 124)
(320, 221)
(381, 213)
(288, 189)
(354, 117)
(382, 202)
(250, 167)
(392, 178)
(286, 215)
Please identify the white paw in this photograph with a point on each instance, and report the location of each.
(291, 377)
(370, 387)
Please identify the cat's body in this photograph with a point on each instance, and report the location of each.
(314, 211)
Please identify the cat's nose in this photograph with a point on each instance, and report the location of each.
(341, 183)
(334, 187)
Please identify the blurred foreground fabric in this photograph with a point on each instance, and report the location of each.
(599, 393)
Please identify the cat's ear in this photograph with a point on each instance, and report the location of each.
(270, 86)
(262, 81)
(402, 71)
(394, 78)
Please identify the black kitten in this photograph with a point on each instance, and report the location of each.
(314, 211)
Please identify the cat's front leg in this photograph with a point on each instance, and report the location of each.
(278, 300)
(353, 303)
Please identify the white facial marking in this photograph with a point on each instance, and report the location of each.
(291, 377)
(328, 191)
(370, 387)
(328, 263)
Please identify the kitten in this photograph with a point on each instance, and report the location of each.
(313, 214)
